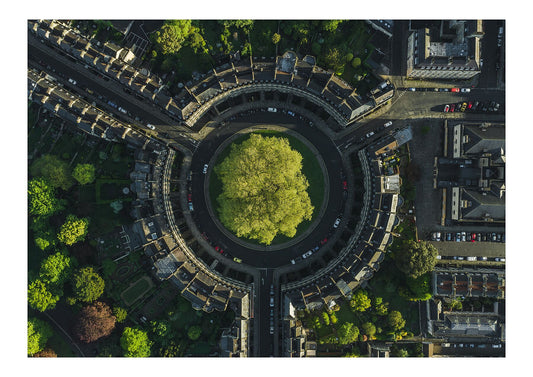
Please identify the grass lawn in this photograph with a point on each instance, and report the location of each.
(136, 290)
(311, 169)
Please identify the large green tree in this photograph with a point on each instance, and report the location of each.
(55, 170)
(194, 332)
(395, 320)
(73, 230)
(360, 301)
(264, 192)
(347, 333)
(84, 173)
(416, 258)
(39, 332)
(41, 196)
(56, 268)
(135, 343)
(42, 296)
(87, 285)
(172, 35)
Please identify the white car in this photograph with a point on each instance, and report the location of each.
(337, 222)
(369, 134)
(72, 81)
(307, 254)
(150, 126)
(205, 168)
(465, 90)
(388, 124)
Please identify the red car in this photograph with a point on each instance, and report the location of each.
(345, 185)
(455, 90)
(324, 241)
(446, 108)
(473, 237)
(452, 108)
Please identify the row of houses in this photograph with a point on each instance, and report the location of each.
(363, 254)
(342, 101)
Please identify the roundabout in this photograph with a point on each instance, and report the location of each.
(325, 213)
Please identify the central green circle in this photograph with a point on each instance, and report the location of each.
(311, 169)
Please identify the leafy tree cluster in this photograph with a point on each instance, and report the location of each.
(39, 332)
(264, 192)
(415, 258)
(135, 342)
(84, 173)
(42, 199)
(73, 230)
(94, 321)
(87, 285)
(54, 170)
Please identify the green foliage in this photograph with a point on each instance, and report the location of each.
(398, 352)
(73, 230)
(330, 25)
(84, 173)
(348, 333)
(416, 258)
(244, 25)
(87, 284)
(55, 170)
(42, 243)
(325, 318)
(380, 307)
(368, 329)
(38, 334)
(263, 189)
(333, 318)
(108, 267)
(276, 38)
(334, 60)
(360, 301)
(42, 200)
(418, 288)
(120, 314)
(194, 332)
(135, 343)
(41, 296)
(56, 268)
(172, 35)
(356, 62)
(395, 320)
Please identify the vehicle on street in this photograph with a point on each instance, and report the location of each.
(344, 185)
(471, 258)
(150, 126)
(463, 236)
(271, 301)
(412, 89)
(237, 260)
(72, 81)
(205, 168)
(370, 134)
(452, 108)
(465, 90)
(337, 222)
(191, 208)
(481, 258)
(307, 254)
(387, 124)
(272, 109)
(292, 261)
(455, 90)
(446, 108)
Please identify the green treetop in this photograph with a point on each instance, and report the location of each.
(263, 189)
(56, 268)
(38, 334)
(172, 35)
(55, 170)
(87, 284)
(73, 230)
(416, 258)
(360, 301)
(42, 200)
(41, 296)
(84, 173)
(135, 343)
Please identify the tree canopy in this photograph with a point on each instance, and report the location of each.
(55, 170)
(94, 321)
(395, 320)
(416, 258)
(73, 230)
(56, 268)
(264, 191)
(194, 332)
(360, 301)
(348, 333)
(84, 173)
(87, 285)
(135, 343)
(42, 296)
(42, 200)
(38, 334)
(172, 35)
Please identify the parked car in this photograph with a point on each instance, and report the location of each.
(465, 90)
(293, 261)
(72, 81)
(271, 301)
(307, 254)
(388, 124)
(237, 260)
(482, 258)
(337, 222)
(205, 168)
(446, 108)
(448, 236)
(471, 258)
(370, 134)
(452, 108)
(463, 236)
(455, 90)
(150, 126)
